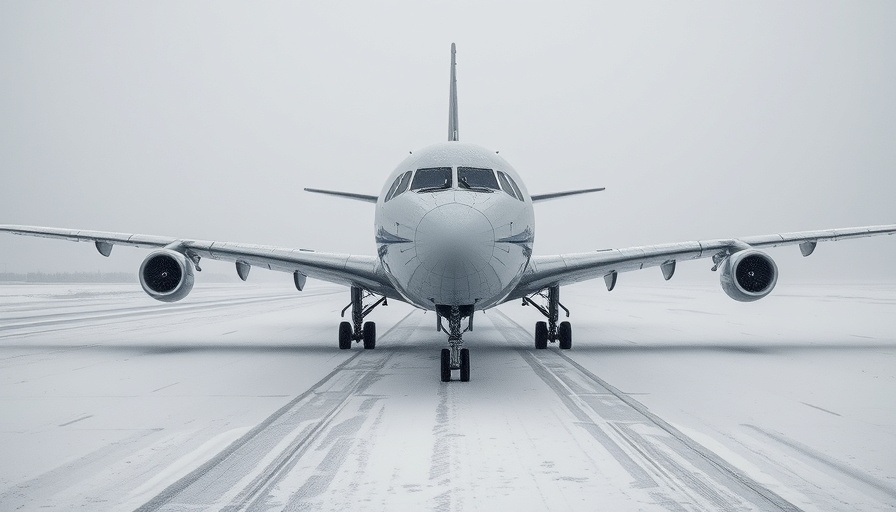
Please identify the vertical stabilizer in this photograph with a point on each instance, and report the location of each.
(452, 99)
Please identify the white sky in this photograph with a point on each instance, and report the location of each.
(205, 120)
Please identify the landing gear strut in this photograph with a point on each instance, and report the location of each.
(550, 330)
(455, 357)
(358, 329)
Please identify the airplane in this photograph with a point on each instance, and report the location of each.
(455, 228)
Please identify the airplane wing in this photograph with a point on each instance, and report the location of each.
(554, 195)
(349, 270)
(348, 195)
(563, 269)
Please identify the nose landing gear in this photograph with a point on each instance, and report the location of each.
(551, 330)
(358, 329)
(455, 357)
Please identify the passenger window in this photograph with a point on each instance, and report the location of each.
(473, 178)
(505, 184)
(516, 190)
(391, 193)
(403, 185)
(432, 179)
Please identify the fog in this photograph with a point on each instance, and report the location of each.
(206, 120)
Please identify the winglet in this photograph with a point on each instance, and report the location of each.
(452, 99)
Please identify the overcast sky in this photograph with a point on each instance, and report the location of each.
(206, 119)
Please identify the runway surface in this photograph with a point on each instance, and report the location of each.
(672, 398)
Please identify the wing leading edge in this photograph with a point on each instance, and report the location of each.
(564, 269)
(349, 270)
(555, 195)
(348, 195)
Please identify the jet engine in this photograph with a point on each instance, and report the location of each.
(166, 275)
(749, 275)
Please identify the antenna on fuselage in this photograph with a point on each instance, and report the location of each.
(452, 99)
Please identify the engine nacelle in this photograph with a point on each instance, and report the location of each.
(166, 275)
(749, 275)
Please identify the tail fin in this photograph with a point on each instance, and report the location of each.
(452, 99)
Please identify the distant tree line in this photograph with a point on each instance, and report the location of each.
(69, 277)
(91, 277)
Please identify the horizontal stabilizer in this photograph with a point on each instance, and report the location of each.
(347, 195)
(555, 195)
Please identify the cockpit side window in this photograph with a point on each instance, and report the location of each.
(432, 179)
(519, 193)
(403, 185)
(505, 184)
(509, 186)
(476, 179)
(399, 186)
(391, 193)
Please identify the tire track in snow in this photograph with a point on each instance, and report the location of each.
(70, 474)
(443, 451)
(241, 476)
(878, 486)
(71, 320)
(93, 308)
(683, 473)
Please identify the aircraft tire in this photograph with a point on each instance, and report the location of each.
(564, 332)
(446, 365)
(369, 335)
(345, 336)
(465, 365)
(541, 335)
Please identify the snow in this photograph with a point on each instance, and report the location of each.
(673, 396)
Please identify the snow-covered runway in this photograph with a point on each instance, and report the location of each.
(237, 398)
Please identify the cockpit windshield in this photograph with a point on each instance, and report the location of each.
(432, 179)
(476, 179)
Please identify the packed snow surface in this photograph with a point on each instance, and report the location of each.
(672, 398)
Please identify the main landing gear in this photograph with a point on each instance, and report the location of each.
(455, 357)
(550, 330)
(355, 331)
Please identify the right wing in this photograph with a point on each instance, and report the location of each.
(350, 270)
(563, 269)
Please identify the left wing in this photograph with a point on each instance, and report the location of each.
(348, 195)
(345, 269)
(563, 269)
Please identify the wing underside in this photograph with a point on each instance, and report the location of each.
(564, 269)
(349, 270)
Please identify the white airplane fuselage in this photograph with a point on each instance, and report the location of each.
(457, 245)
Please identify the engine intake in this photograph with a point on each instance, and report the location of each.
(166, 275)
(749, 275)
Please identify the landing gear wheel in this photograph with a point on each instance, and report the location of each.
(541, 335)
(465, 365)
(369, 335)
(345, 336)
(446, 365)
(564, 332)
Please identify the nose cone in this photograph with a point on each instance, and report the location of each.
(455, 246)
(455, 240)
